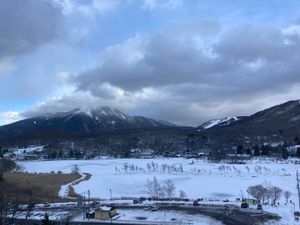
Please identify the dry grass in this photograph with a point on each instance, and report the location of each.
(41, 187)
(72, 192)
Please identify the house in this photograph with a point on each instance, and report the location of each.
(105, 212)
(237, 158)
(31, 157)
(142, 153)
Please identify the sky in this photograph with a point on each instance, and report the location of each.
(185, 61)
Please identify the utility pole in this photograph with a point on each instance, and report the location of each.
(89, 197)
(298, 187)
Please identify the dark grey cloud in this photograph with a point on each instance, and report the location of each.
(250, 43)
(244, 57)
(187, 75)
(26, 25)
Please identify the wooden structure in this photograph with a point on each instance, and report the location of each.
(104, 213)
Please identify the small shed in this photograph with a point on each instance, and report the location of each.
(105, 212)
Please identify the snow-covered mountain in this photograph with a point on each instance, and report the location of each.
(218, 122)
(80, 121)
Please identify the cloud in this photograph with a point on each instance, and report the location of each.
(10, 117)
(26, 25)
(189, 73)
(61, 104)
(162, 4)
(88, 8)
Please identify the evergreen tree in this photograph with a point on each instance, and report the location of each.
(265, 150)
(240, 149)
(248, 151)
(256, 150)
(285, 153)
(298, 152)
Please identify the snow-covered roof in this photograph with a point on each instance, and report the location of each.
(105, 208)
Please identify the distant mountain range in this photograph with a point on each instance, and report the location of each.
(281, 121)
(80, 121)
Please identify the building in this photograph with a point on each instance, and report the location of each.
(30, 157)
(105, 212)
(292, 150)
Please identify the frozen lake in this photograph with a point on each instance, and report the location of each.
(127, 177)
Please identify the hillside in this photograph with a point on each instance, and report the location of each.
(113, 131)
(78, 122)
(281, 122)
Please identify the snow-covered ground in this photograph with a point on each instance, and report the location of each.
(197, 178)
(167, 217)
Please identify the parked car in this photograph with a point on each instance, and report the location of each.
(154, 208)
(196, 203)
(46, 204)
(259, 207)
(244, 205)
(137, 201)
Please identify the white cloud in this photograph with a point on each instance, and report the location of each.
(162, 4)
(103, 6)
(293, 29)
(88, 8)
(10, 117)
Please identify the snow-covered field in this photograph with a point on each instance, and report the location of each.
(197, 178)
(127, 177)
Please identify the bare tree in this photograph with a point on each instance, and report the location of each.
(182, 194)
(287, 195)
(275, 194)
(7, 214)
(75, 169)
(168, 188)
(155, 189)
(256, 192)
(265, 194)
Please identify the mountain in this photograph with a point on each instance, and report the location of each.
(106, 129)
(218, 122)
(79, 122)
(281, 122)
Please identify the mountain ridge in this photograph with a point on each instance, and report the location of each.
(280, 122)
(81, 121)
